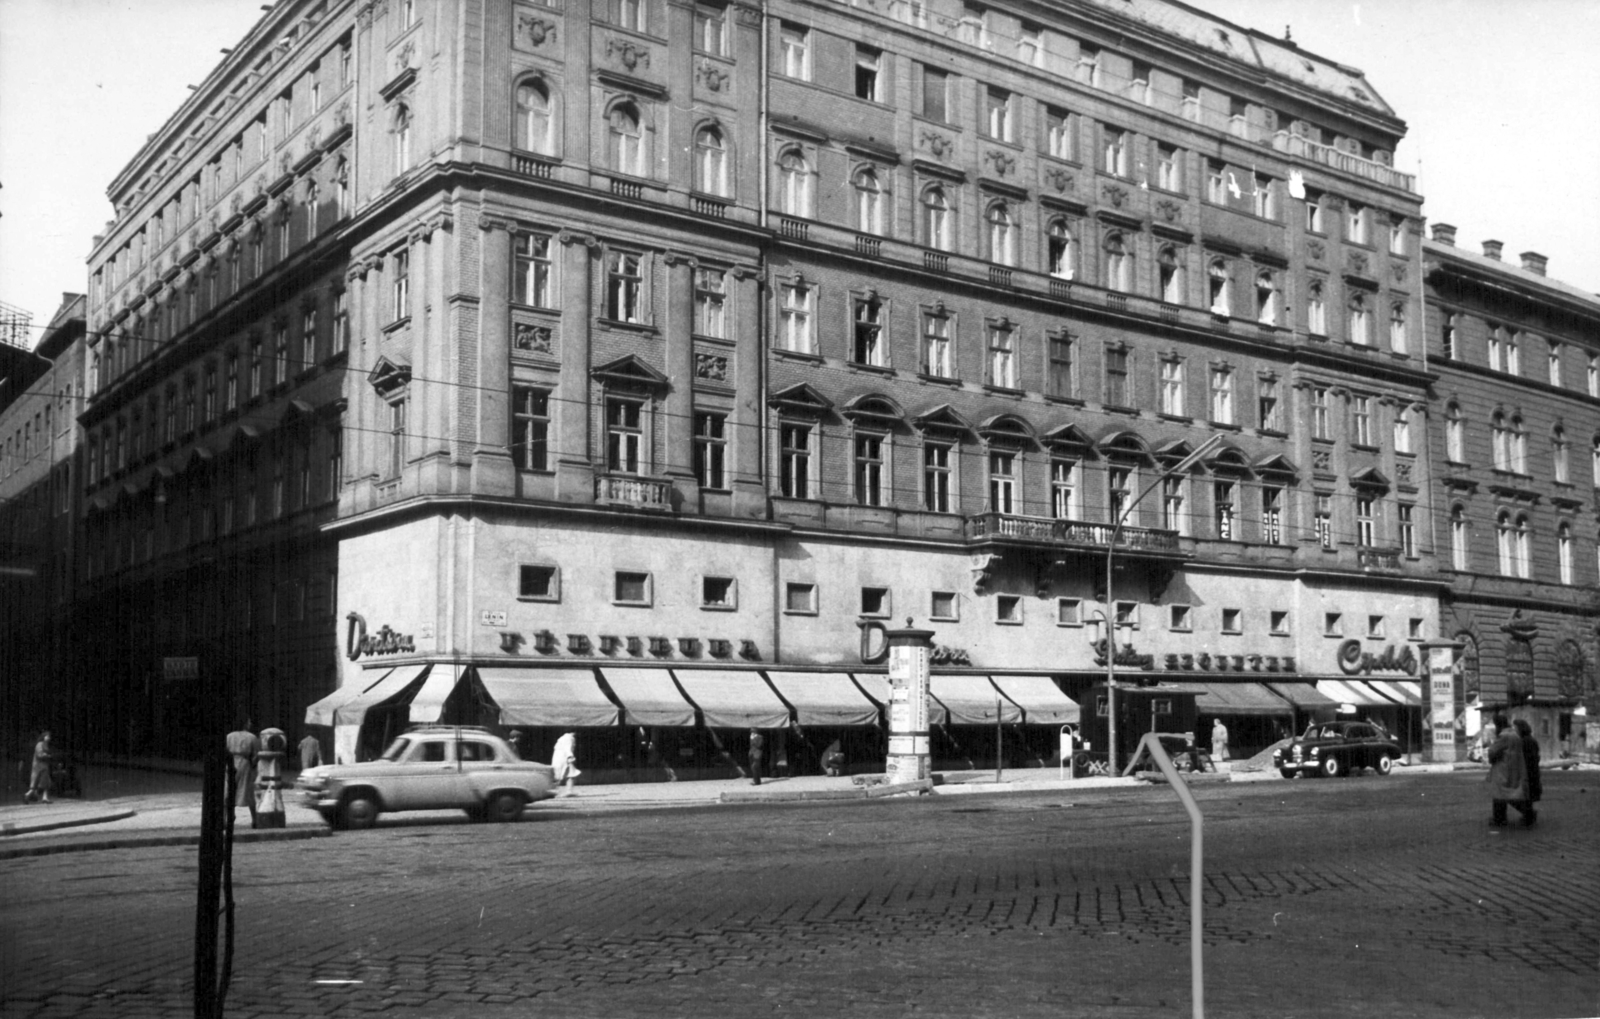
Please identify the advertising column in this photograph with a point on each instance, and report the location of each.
(1444, 676)
(909, 653)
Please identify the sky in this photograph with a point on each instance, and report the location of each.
(1499, 96)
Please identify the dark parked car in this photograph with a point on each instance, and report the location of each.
(1336, 748)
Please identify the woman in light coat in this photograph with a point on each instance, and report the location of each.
(565, 761)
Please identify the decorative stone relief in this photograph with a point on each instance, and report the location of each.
(407, 51)
(1002, 162)
(712, 367)
(1317, 251)
(1399, 269)
(1321, 460)
(1115, 195)
(532, 339)
(936, 143)
(1169, 210)
(748, 15)
(534, 30)
(1358, 263)
(1060, 179)
(1402, 471)
(627, 54)
(711, 75)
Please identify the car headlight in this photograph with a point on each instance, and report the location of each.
(1315, 751)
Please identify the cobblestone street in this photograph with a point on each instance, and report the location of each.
(1356, 897)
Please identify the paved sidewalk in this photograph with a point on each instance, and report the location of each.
(159, 807)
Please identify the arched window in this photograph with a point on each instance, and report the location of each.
(534, 118)
(1558, 455)
(869, 201)
(1519, 447)
(1564, 551)
(1316, 310)
(1397, 327)
(1119, 262)
(1594, 462)
(313, 207)
(402, 138)
(1063, 251)
(1455, 435)
(1171, 274)
(626, 140)
(1506, 544)
(1219, 287)
(341, 177)
(1459, 534)
(1002, 234)
(1360, 320)
(1523, 558)
(794, 184)
(1500, 438)
(711, 161)
(936, 216)
(1266, 299)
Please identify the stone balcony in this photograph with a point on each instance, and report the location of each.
(1011, 529)
(633, 492)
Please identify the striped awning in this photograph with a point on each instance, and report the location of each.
(1353, 692)
(321, 712)
(397, 685)
(824, 698)
(556, 697)
(733, 699)
(968, 700)
(649, 697)
(1042, 702)
(428, 705)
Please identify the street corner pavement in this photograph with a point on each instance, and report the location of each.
(29, 818)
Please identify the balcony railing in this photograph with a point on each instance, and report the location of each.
(1378, 560)
(627, 188)
(1079, 533)
(713, 207)
(1372, 170)
(999, 276)
(796, 228)
(531, 166)
(872, 247)
(634, 491)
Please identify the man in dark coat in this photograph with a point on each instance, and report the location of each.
(1508, 774)
(758, 746)
(1530, 761)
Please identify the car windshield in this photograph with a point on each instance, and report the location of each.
(397, 749)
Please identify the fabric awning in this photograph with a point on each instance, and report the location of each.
(321, 712)
(824, 698)
(649, 697)
(1400, 691)
(1235, 699)
(558, 697)
(730, 699)
(1354, 692)
(1041, 701)
(875, 685)
(428, 705)
(390, 688)
(967, 700)
(1303, 695)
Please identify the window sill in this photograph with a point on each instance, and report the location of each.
(1117, 408)
(1227, 426)
(397, 324)
(939, 380)
(989, 387)
(1274, 433)
(876, 369)
(632, 327)
(1008, 622)
(1180, 418)
(1365, 447)
(797, 355)
(719, 608)
(799, 612)
(1071, 401)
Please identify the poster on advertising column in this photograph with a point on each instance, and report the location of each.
(1442, 678)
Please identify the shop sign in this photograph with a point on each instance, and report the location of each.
(1204, 662)
(1125, 655)
(548, 643)
(875, 647)
(358, 641)
(1355, 662)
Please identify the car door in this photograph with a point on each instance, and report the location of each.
(480, 760)
(1360, 739)
(429, 778)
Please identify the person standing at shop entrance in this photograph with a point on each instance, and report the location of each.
(1219, 742)
(565, 761)
(758, 750)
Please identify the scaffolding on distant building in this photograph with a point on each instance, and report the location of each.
(15, 326)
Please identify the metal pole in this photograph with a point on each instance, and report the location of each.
(1197, 978)
(997, 757)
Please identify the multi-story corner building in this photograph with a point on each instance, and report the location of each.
(658, 336)
(1517, 398)
(42, 393)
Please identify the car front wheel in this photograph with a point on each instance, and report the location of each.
(1288, 773)
(359, 812)
(1332, 767)
(505, 807)
(1385, 764)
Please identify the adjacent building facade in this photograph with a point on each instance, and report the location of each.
(439, 336)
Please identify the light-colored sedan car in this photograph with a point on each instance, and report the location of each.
(435, 768)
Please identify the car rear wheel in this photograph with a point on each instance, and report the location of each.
(505, 807)
(1288, 773)
(359, 811)
(1332, 767)
(1385, 764)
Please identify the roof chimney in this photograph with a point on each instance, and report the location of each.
(1491, 249)
(1534, 262)
(1444, 233)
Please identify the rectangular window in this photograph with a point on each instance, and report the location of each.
(1063, 377)
(624, 288)
(710, 32)
(935, 94)
(794, 314)
(1361, 420)
(1169, 168)
(1008, 609)
(800, 599)
(719, 593)
(709, 302)
(1355, 223)
(1127, 614)
(1333, 624)
(1232, 620)
(1554, 363)
(1002, 482)
(400, 286)
(795, 41)
(1063, 490)
(1069, 612)
(1397, 236)
(936, 477)
(624, 436)
(280, 354)
(538, 583)
(1060, 134)
(1278, 621)
(1115, 151)
(1174, 499)
(869, 74)
(795, 454)
(1180, 617)
(1222, 506)
(1088, 70)
(632, 588)
(1272, 514)
(869, 347)
(1030, 45)
(997, 113)
(943, 605)
(1415, 629)
(875, 602)
(631, 14)
(1002, 357)
(230, 385)
(1324, 520)
(1268, 412)
(711, 451)
(1222, 395)
(533, 271)
(1320, 417)
(1408, 532)
(869, 470)
(1375, 627)
(1172, 386)
(397, 437)
(1119, 489)
(1266, 197)
(1313, 212)
(1216, 187)
(308, 339)
(936, 354)
(1117, 376)
(1365, 522)
(530, 428)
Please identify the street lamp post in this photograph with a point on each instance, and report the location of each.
(1111, 603)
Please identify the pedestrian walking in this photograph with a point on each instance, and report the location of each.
(833, 760)
(565, 761)
(758, 746)
(310, 752)
(243, 746)
(519, 742)
(1508, 775)
(39, 779)
(1219, 742)
(1530, 762)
